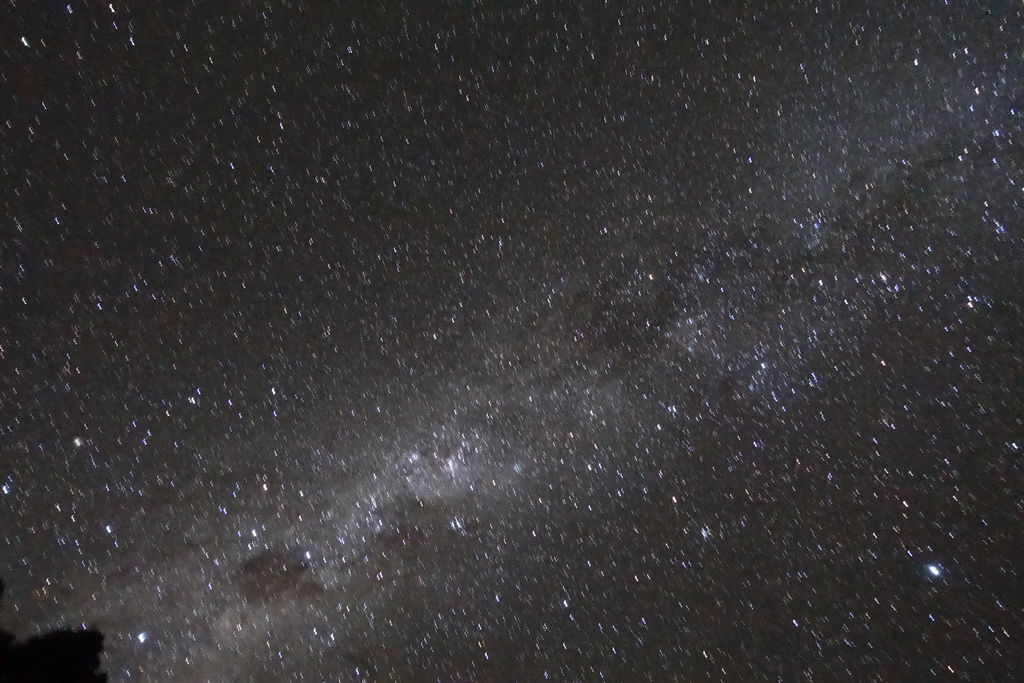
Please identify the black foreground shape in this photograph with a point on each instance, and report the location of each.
(54, 657)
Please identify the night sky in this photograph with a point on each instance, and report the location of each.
(504, 340)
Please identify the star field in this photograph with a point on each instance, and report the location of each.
(487, 341)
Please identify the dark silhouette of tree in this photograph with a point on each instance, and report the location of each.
(54, 657)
